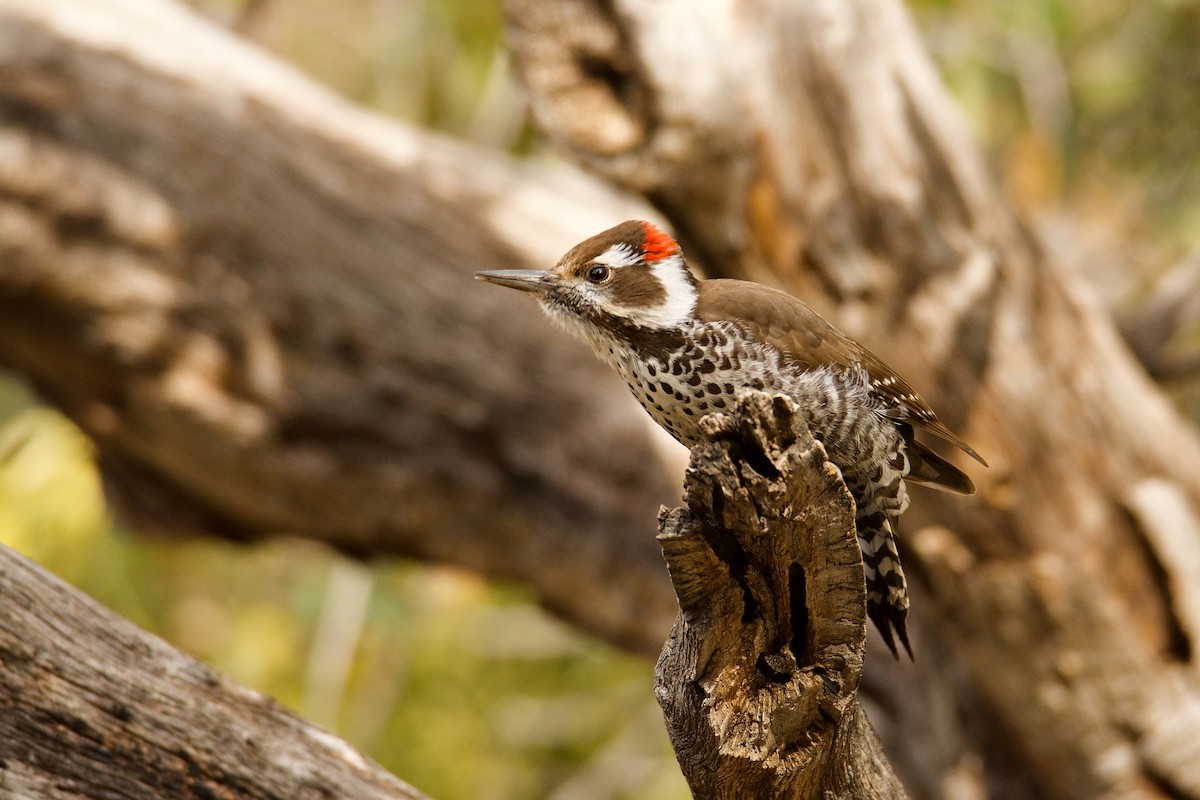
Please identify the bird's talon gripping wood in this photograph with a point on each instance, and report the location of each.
(686, 347)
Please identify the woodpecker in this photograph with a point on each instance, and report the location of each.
(687, 346)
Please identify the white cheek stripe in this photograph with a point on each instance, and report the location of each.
(681, 296)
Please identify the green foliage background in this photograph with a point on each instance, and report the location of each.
(1088, 111)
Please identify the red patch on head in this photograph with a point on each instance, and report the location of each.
(657, 244)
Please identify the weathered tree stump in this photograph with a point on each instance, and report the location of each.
(759, 678)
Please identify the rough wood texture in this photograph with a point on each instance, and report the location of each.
(812, 144)
(257, 300)
(92, 707)
(759, 678)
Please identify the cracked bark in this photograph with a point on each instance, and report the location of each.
(758, 680)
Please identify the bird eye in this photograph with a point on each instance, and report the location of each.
(597, 273)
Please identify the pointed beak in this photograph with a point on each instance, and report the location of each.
(527, 280)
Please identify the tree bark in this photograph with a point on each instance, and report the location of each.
(258, 302)
(90, 706)
(812, 144)
(759, 678)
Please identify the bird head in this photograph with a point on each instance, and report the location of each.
(629, 277)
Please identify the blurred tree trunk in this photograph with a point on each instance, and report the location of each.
(256, 299)
(812, 144)
(258, 302)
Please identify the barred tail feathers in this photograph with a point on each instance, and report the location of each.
(887, 590)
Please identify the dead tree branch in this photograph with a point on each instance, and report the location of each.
(257, 301)
(92, 707)
(759, 678)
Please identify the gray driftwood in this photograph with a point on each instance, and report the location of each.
(759, 678)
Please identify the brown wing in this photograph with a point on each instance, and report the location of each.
(790, 325)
